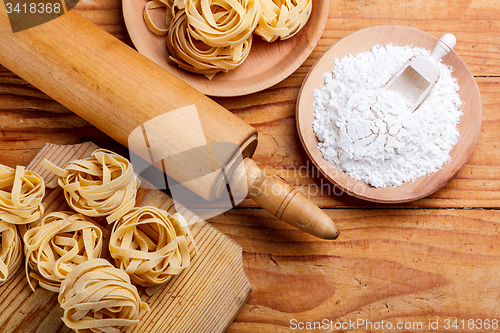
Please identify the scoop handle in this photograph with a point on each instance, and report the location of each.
(286, 203)
(444, 45)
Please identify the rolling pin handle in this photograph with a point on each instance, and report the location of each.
(286, 203)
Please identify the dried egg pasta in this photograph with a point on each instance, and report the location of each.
(197, 57)
(21, 194)
(222, 23)
(207, 37)
(97, 297)
(171, 6)
(282, 18)
(61, 242)
(101, 185)
(211, 36)
(153, 5)
(150, 245)
(11, 252)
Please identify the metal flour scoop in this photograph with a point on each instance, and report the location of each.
(418, 76)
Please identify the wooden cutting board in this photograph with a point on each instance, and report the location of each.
(205, 297)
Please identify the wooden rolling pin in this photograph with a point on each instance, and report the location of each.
(118, 91)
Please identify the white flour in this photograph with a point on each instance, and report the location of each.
(370, 133)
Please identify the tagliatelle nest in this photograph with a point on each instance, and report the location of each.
(21, 194)
(222, 23)
(150, 245)
(171, 6)
(11, 252)
(61, 242)
(211, 36)
(282, 18)
(207, 37)
(197, 57)
(97, 297)
(101, 185)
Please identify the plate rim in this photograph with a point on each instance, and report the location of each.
(348, 189)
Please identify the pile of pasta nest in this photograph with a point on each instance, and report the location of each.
(63, 249)
(211, 36)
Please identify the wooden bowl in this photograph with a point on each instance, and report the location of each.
(266, 65)
(364, 40)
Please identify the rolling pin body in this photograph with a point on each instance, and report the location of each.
(119, 91)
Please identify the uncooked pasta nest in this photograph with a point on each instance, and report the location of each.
(11, 252)
(97, 297)
(150, 245)
(211, 36)
(62, 241)
(101, 185)
(197, 57)
(282, 18)
(172, 7)
(222, 23)
(21, 194)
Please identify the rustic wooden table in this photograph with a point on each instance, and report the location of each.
(428, 262)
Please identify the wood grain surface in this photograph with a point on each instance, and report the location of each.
(433, 259)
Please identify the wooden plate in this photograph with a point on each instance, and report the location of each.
(364, 40)
(266, 65)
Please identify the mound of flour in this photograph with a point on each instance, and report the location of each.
(370, 133)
